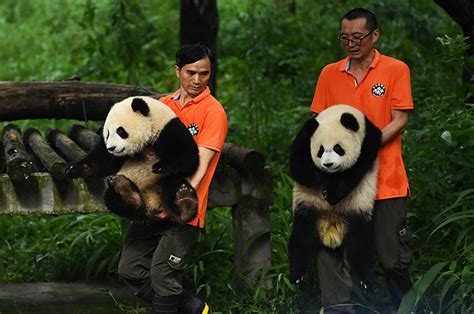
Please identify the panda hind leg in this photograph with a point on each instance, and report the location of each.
(302, 243)
(180, 198)
(360, 250)
(122, 198)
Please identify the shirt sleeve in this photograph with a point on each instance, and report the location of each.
(320, 98)
(214, 130)
(401, 96)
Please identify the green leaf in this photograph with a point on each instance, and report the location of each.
(411, 299)
(449, 283)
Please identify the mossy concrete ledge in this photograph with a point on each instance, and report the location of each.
(42, 194)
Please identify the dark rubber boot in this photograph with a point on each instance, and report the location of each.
(165, 305)
(191, 304)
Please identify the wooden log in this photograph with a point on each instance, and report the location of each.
(63, 100)
(19, 164)
(65, 146)
(84, 137)
(244, 159)
(55, 165)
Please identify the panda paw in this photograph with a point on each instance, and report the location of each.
(296, 278)
(186, 202)
(331, 198)
(126, 189)
(78, 170)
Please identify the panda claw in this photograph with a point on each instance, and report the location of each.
(110, 180)
(157, 168)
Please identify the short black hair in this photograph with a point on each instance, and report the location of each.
(191, 53)
(371, 19)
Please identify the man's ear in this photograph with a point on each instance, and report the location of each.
(176, 69)
(375, 35)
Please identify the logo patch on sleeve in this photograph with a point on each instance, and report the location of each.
(193, 129)
(378, 90)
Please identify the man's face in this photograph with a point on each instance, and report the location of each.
(193, 77)
(356, 29)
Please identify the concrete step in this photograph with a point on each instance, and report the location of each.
(64, 297)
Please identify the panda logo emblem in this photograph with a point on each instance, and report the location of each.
(193, 129)
(378, 90)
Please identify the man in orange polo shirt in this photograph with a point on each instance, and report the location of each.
(379, 86)
(153, 255)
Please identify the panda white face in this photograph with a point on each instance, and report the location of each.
(336, 143)
(331, 158)
(134, 123)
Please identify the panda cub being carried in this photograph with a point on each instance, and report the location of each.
(146, 154)
(333, 161)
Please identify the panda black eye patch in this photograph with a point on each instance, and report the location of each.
(122, 133)
(321, 151)
(339, 150)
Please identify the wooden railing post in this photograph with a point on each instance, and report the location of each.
(250, 216)
(251, 222)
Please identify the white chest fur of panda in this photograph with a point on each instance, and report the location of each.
(360, 200)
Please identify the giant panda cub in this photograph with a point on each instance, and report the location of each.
(333, 161)
(146, 154)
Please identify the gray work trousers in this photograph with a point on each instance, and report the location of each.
(391, 237)
(153, 257)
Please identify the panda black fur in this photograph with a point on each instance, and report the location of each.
(147, 154)
(333, 161)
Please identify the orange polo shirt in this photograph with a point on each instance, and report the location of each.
(206, 119)
(385, 86)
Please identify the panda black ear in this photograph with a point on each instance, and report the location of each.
(349, 121)
(139, 104)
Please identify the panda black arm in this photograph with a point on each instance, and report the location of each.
(177, 151)
(302, 167)
(342, 184)
(98, 162)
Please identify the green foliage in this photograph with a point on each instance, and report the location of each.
(45, 248)
(269, 60)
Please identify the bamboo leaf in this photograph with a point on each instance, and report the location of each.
(411, 299)
(449, 283)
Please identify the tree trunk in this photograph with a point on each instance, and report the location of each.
(462, 12)
(63, 99)
(199, 24)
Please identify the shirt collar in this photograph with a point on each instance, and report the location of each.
(206, 92)
(346, 63)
